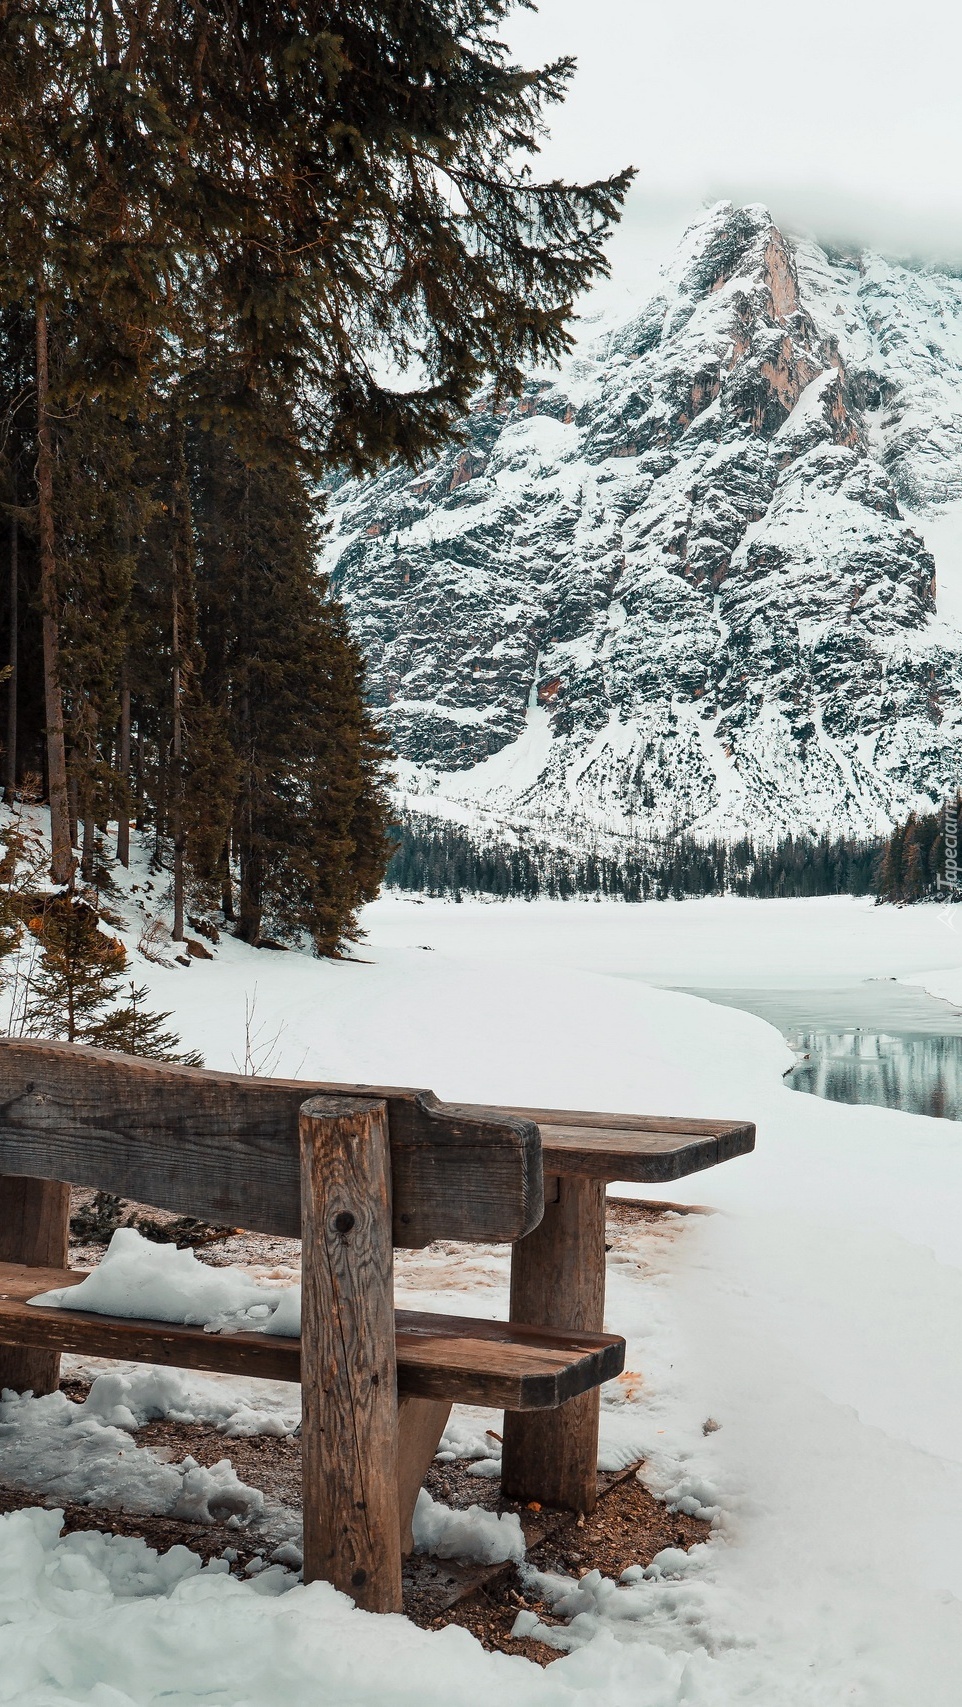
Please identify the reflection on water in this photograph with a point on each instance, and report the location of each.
(877, 1041)
(897, 1070)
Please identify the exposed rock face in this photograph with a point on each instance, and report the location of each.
(674, 585)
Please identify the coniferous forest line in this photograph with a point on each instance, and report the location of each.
(445, 859)
(220, 228)
(441, 858)
(913, 859)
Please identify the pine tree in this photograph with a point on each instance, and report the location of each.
(309, 816)
(219, 225)
(134, 1030)
(75, 990)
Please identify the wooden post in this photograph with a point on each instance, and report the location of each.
(348, 1362)
(421, 1423)
(558, 1281)
(34, 1229)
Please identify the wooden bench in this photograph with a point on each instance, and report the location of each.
(558, 1269)
(354, 1171)
(353, 1176)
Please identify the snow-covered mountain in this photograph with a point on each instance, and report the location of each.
(685, 581)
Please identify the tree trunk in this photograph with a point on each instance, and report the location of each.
(73, 810)
(61, 850)
(250, 897)
(139, 819)
(251, 903)
(10, 776)
(123, 766)
(176, 814)
(87, 850)
(226, 884)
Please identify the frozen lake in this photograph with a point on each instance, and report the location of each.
(873, 1041)
(826, 972)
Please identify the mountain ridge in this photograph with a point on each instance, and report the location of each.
(681, 584)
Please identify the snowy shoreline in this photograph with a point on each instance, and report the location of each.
(816, 1319)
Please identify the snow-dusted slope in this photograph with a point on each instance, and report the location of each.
(684, 583)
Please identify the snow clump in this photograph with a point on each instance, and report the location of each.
(68, 1451)
(166, 1283)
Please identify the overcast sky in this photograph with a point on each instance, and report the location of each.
(845, 116)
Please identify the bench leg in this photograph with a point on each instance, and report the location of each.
(34, 1229)
(420, 1425)
(558, 1281)
(349, 1439)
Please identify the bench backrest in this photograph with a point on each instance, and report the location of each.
(224, 1147)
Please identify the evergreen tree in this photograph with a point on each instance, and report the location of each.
(75, 989)
(309, 818)
(218, 226)
(132, 1029)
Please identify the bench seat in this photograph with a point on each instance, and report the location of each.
(646, 1149)
(507, 1365)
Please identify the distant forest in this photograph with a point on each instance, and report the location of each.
(444, 859)
(913, 858)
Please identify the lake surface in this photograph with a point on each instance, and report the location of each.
(875, 1041)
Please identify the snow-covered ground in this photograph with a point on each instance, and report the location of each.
(817, 1318)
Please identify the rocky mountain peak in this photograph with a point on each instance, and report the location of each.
(674, 585)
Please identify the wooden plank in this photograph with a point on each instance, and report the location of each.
(648, 1156)
(558, 1277)
(420, 1425)
(34, 1229)
(632, 1122)
(349, 1410)
(132, 1339)
(511, 1365)
(224, 1147)
(508, 1365)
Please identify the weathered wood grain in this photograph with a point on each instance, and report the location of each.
(511, 1365)
(646, 1148)
(349, 1411)
(558, 1278)
(646, 1155)
(420, 1425)
(502, 1364)
(632, 1122)
(34, 1229)
(224, 1147)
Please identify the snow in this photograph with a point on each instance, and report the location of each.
(626, 490)
(162, 1283)
(484, 1536)
(815, 1317)
(514, 767)
(127, 1397)
(68, 1451)
(943, 536)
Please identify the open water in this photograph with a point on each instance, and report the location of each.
(876, 1041)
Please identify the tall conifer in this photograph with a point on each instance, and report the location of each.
(300, 233)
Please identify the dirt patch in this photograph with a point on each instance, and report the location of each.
(207, 1540)
(267, 1461)
(628, 1527)
(218, 1246)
